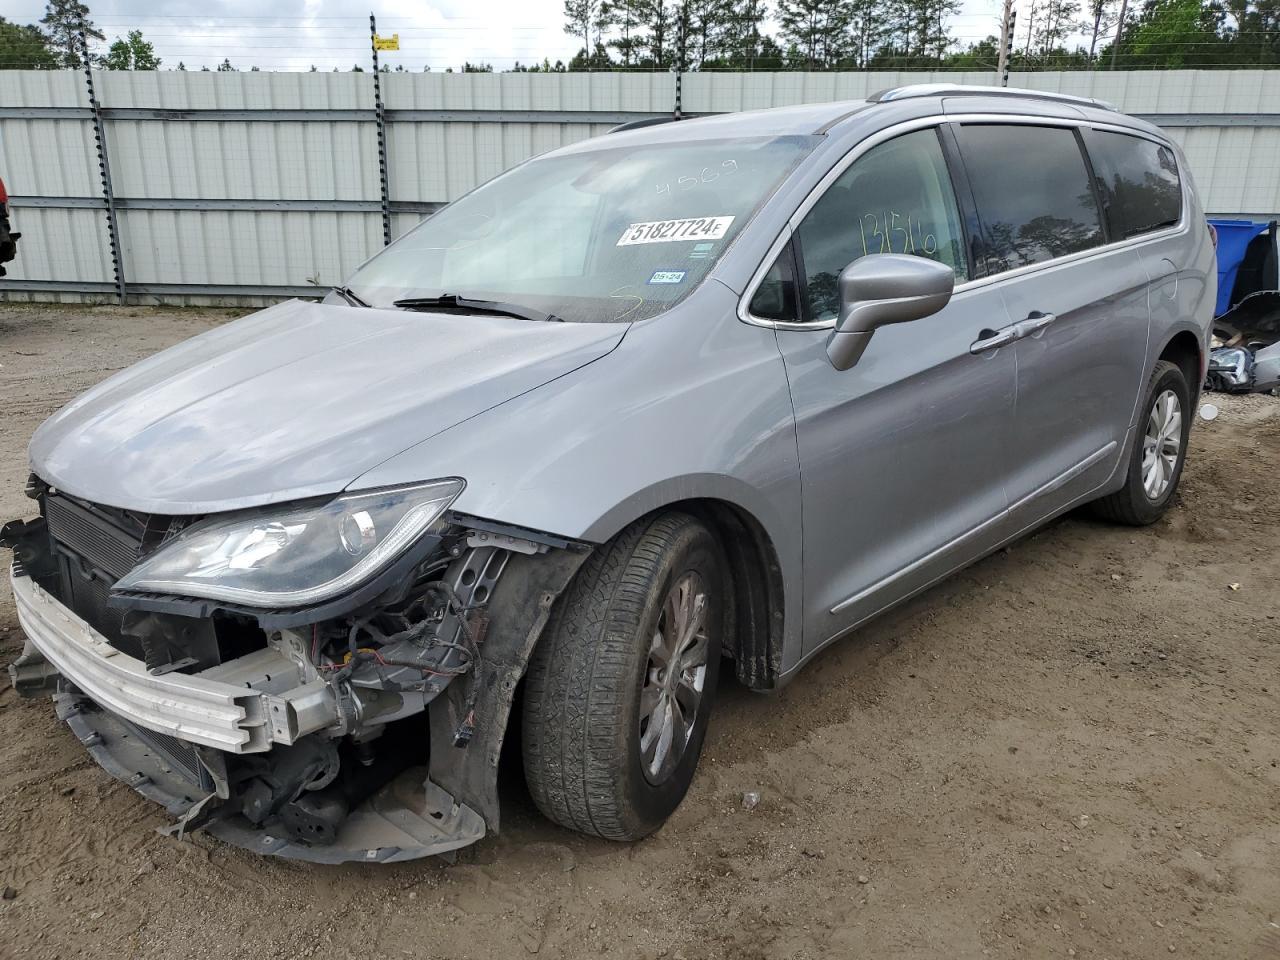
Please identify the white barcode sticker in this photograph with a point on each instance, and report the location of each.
(669, 231)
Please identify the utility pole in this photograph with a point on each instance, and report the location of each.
(1007, 23)
(1115, 44)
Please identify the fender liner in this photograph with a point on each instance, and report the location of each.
(518, 613)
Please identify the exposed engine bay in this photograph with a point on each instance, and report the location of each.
(366, 728)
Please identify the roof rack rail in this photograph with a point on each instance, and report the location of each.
(961, 90)
(644, 122)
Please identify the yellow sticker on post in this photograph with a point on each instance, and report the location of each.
(670, 231)
(386, 43)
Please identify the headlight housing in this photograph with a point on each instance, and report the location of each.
(295, 556)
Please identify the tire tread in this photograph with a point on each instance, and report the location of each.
(1121, 506)
(580, 675)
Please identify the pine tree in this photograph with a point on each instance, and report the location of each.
(1104, 18)
(868, 27)
(580, 18)
(659, 46)
(817, 29)
(743, 42)
(624, 16)
(25, 48)
(63, 21)
(1056, 24)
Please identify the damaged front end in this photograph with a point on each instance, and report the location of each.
(366, 725)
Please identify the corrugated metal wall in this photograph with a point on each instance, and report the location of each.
(285, 165)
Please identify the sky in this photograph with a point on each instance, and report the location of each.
(294, 34)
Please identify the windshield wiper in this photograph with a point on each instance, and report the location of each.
(451, 301)
(346, 294)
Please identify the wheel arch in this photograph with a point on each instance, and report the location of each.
(1184, 349)
(757, 625)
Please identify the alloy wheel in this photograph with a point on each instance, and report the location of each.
(674, 677)
(1161, 444)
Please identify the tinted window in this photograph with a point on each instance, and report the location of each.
(1032, 189)
(897, 198)
(775, 298)
(1138, 180)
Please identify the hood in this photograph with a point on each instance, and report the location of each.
(295, 401)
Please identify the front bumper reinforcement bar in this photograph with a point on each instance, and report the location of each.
(205, 708)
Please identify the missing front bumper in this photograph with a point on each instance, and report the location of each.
(144, 730)
(224, 707)
(408, 818)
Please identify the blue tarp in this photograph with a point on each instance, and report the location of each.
(1233, 240)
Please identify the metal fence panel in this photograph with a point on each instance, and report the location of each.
(279, 189)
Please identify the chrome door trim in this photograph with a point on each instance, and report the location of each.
(1056, 483)
(1062, 479)
(921, 123)
(1021, 531)
(919, 562)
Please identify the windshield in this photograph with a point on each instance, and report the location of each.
(610, 235)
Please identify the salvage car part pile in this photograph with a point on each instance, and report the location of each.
(1246, 354)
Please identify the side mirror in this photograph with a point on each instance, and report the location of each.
(882, 289)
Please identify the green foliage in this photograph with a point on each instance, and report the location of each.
(581, 17)
(64, 21)
(817, 31)
(599, 59)
(25, 48)
(468, 67)
(132, 53)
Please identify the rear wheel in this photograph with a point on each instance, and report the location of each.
(1158, 453)
(620, 689)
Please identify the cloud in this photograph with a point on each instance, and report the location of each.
(295, 34)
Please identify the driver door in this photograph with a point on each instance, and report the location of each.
(904, 456)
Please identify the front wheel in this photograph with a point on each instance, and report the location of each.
(620, 688)
(1158, 453)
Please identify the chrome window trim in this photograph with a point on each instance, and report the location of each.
(935, 120)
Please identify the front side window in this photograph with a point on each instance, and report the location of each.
(897, 198)
(612, 234)
(1032, 189)
(776, 297)
(1139, 182)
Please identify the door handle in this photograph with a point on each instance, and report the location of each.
(1034, 323)
(994, 339)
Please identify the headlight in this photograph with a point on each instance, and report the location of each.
(294, 557)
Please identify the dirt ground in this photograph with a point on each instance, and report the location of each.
(1070, 749)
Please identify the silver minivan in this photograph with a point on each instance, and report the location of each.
(684, 398)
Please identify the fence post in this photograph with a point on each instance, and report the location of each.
(677, 112)
(380, 117)
(104, 170)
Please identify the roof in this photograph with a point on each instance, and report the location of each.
(800, 120)
(806, 119)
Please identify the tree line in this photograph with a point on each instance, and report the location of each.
(919, 35)
(798, 35)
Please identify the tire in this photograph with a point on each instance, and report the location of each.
(1132, 504)
(582, 725)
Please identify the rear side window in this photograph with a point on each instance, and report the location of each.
(1032, 189)
(1138, 180)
